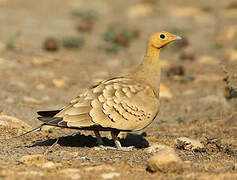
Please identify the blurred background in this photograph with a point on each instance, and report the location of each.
(49, 50)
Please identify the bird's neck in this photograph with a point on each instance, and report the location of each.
(149, 69)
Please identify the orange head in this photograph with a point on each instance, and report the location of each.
(160, 39)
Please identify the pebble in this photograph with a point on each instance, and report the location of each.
(189, 144)
(231, 54)
(208, 60)
(48, 165)
(40, 61)
(99, 168)
(110, 175)
(165, 92)
(13, 122)
(59, 82)
(31, 100)
(40, 86)
(51, 44)
(140, 10)
(165, 161)
(158, 147)
(32, 159)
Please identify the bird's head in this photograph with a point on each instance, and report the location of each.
(160, 39)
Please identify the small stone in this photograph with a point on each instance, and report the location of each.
(139, 10)
(51, 44)
(208, 60)
(187, 54)
(110, 175)
(158, 147)
(71, 173)
(32, 159)
(59, 82)
(48, 165)
(31, 100)
(176, 70)
(85, 26)
(48, 129)
(99, 168)
(189, 144)
(40, 61)
(13, 122)
(231, 54)
(40, 86)
(165, 92)
(165, 161)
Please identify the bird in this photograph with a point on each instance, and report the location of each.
(126, 103)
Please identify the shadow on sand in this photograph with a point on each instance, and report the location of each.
(80, 140)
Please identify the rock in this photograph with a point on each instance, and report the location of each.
(165, 161)
(158, 147)
(227, 34)
(31, 100)
(176, 70)
(85, 26)
(189, 144)
(99, 168)
(187, 54)
(207, 78)
(59, 82)
(13, 122)
(165, 92)
(110, 175)
(71, 173)
(48, 165)
(208, 60)
(231, 54)
(48, 129)
(188, 12)
(40, 87)
(140, 10)
(51, 44)
(40, 61)
(32, 159)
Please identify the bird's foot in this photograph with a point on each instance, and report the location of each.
(126, 149)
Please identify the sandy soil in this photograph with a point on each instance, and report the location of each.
(33, 79)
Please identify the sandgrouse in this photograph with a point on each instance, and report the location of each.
(127, 103)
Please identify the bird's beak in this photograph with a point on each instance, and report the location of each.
(177, 38)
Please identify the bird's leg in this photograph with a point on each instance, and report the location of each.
(114, 135)
(98, 137)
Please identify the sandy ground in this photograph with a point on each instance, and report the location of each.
(33, 79)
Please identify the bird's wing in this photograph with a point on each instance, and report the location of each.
(119, 103)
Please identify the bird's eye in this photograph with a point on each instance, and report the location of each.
(162, 36)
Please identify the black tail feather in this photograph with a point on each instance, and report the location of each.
(48, 113)
(50, 120)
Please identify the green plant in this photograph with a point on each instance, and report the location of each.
(11, 42)
(86, 14)
(72, 42)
